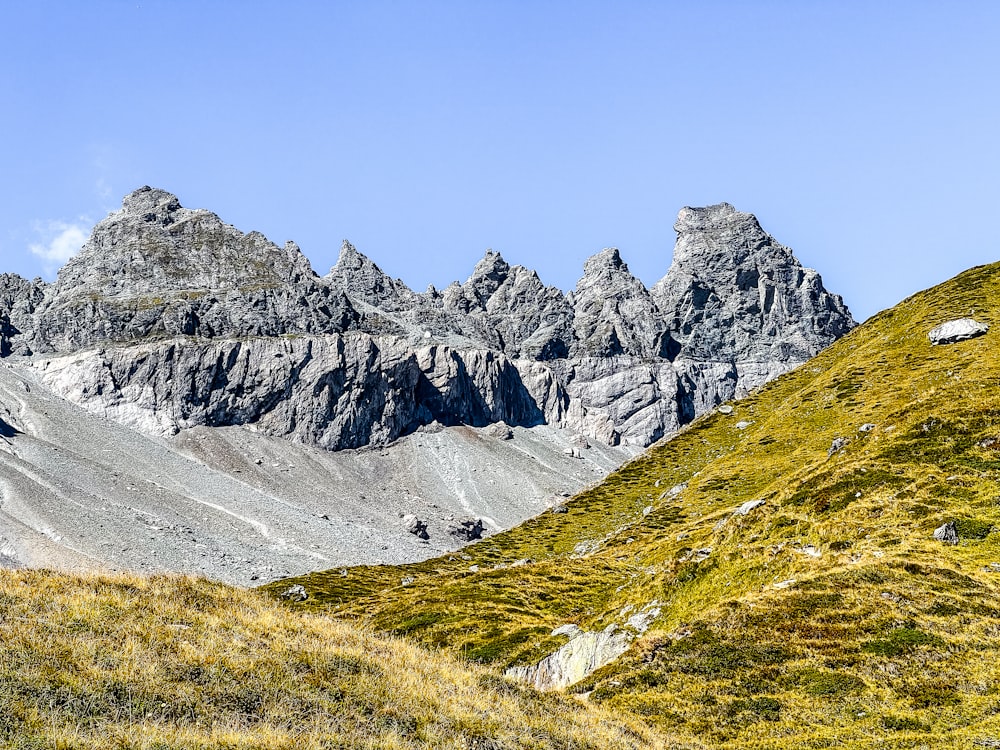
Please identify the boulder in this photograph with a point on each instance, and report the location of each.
(748, 506)
(296, 593)
(416, 526)
(585, 652)
(467, 529)
(957, 330)
(837, 445)
(500, 431)
(947, 533)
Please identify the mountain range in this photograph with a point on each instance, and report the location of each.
(805, 555)
(259, 420)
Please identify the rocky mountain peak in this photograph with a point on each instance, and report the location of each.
(732, 288)
(355, 274)
(719, 236)
(157, 268)
(153, 245)
(614, 313)
(508, 307)
(151, 204)
(691, 218)
(488, 275)
(350, 257)
(607, 261)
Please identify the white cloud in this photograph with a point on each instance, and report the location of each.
(61, 241)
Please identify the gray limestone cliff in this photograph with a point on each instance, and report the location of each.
(336, 391)
(734, 296)
(155, 269)
(169, 318)
(18, 300)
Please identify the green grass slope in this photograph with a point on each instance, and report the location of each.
(826, 617)
(173, 662)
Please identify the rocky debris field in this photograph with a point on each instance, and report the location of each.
(78, 490)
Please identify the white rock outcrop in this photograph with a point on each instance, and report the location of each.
(586, 651)
(957, 330)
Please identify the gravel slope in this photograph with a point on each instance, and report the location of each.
(81, 492)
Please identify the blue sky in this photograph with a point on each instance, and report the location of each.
(863, 135)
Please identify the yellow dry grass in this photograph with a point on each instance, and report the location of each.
(179, 662)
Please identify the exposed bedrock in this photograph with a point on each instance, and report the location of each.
(168, 318)
(338, 391)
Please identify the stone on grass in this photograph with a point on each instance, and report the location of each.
(748, 506)
(296, 593)
(837, 445)
(947, 533)
(957, 330)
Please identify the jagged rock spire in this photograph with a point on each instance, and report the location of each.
(355, 274)
(733, 292)
(614, 312)
(488, 275)
(510, 307)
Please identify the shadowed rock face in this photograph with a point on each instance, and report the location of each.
(333, 392)
(18, 300)
(169, 318)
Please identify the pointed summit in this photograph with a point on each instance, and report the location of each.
(701, 232)
(152, 204)
(350, 259)
(359, 277)
(510, 307)
(614, 312)
(733, 288)
(488, 275)
(606, 263)
(156, 268)
(491, 263)
(154, 245)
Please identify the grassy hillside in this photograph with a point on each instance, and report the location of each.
(828, 616)
(172, 662)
